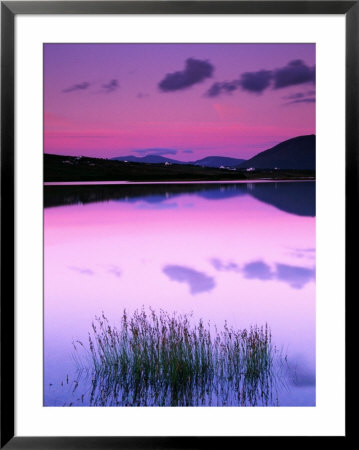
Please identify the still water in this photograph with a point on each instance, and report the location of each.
(241, 253)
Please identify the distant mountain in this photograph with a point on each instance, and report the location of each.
(218, 161)
(149, 159)
(209, 161)
(297, 153)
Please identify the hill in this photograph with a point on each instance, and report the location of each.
(209, 161)
(148, 159)
(294, 154)
(76, 168)
(218, 161)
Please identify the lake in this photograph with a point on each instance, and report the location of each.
(241, 253)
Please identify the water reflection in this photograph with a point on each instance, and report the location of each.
(217, 250)
(296, 276)
(295, 197)
(197, 281)
(114, 270)
(224, 267)
(106, 390)
(82, 270)
(307, 253)
(258, 270)
(158, 206)
(162, 359)
(300, 373)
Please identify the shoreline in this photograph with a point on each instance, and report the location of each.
(114, 182)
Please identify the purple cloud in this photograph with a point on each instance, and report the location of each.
(295, 72)
(111, 86)
(224, 87)
(302, 100)
(195, 72)
(300, 97)
(256, 81)
(155, 151)
(77, 87)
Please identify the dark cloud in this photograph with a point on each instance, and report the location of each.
(256, 81)
(295, 276)
(302, 100)
(214, 90)
(187, 151)
(257, 270)
(300, 97)
(78, 87)
(195, 72)
(294, 73)
(111, 86)
(197, 281)
(155, 151)
(82, 270)
(224, 87)
(295, 96)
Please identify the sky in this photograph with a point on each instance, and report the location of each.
(182, 101)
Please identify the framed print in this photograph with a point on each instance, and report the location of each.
(176, 181)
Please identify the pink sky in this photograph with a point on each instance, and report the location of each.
(106, 100)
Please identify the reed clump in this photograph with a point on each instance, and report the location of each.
(159, 359)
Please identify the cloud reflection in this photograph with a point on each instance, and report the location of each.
(158, 206)
(227, 267)
(82, 270)
(308, 253)
(258, 270)
(197, 281)
(295, 276)
(114, 270)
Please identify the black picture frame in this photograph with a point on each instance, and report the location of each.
(9, 9)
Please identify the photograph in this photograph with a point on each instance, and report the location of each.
(179, 225)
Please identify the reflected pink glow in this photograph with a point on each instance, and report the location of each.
(110, 256)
